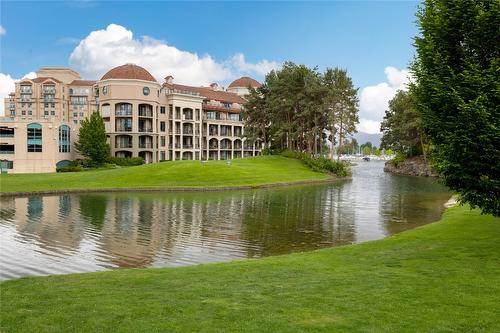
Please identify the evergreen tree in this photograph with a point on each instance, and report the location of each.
(92, 140)
(401, 126)
(457, 92)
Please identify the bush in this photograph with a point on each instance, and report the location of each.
(126, 161)
(320, 164)
(72, 168)
(398, 159)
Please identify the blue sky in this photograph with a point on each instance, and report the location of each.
(363, 37)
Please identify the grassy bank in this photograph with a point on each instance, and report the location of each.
(240, 172)
(443, 277)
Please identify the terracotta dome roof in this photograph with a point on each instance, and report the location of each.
(129, 71)
(244, 82)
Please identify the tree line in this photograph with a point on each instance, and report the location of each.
(301, 109)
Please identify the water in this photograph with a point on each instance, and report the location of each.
(60, 234)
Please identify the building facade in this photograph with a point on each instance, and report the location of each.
(142, 117)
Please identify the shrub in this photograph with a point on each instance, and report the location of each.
(320, 164)
(126, 161)
(398, 159)
(72, 168)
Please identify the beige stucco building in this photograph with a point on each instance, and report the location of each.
(143, 118)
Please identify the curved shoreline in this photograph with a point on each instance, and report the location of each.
(175, 189)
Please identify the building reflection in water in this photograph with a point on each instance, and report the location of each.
(88, 232)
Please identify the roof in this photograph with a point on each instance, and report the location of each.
(244, 82)
(41, 79)
(129, 72)
(209, 93)
(82, 83)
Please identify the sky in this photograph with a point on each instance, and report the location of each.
(204, 42)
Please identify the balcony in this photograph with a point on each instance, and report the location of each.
(123, 129)
(25, 99)
(123, 113)
(187, 132)
(145, 145)
(187, 146)
(49, 90)
(146, 129)
(26, 90)
(123, 145)
(49, 99)
(145, 113)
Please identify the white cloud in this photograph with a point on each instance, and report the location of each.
(7, 85)
(2, 31)
(104, 49)
(374, 100)
(262, 68)
(368, 126)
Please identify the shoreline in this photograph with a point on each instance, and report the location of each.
(175, 189)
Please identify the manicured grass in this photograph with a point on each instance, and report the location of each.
(443, 277)
(240, 172)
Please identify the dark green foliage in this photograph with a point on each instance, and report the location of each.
(399, 158)
(72, 168)
(320, 164)
(297, 106)
(402, 126)
(92, 140)
(457, 92)
(126, 161)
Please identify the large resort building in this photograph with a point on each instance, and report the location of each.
(143, 118)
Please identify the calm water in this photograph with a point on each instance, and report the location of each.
(59, 234)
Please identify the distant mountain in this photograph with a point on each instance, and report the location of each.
(362, 137)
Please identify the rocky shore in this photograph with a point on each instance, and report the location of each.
(413, 166)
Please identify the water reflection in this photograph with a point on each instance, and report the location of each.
(43, 235)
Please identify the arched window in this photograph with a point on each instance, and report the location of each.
(34, 137)
(64, 139)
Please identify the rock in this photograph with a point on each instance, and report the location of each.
(413, 166)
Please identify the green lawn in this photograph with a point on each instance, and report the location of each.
(443, 277)
(240, 172)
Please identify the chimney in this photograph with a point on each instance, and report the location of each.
(169, 79)
(214, 86)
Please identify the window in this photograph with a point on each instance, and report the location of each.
(64, 139)
(75, 121)
(46, 113)
(162, 156)
(75, 114)
(162, 141)
(104, 90)
(162, 109)
(162, 126)
(34, 137)
(210, 115)
(52, 113)
(82, 114)
(53, 105)
(30, 113)
(23, 113)
(145, 91)
(46, 105)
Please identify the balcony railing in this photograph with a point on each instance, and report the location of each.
(6, 152)
(6, 135)
(187, 132)
(145, 145)
(187, 146)
(213, 146)
(212, 132)
(146, 129)
(26, 90)
(123, 129)
(145, 113)
(225, 146)
(49, 90)
(123, 113)
(123, 145)
(25, 99)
